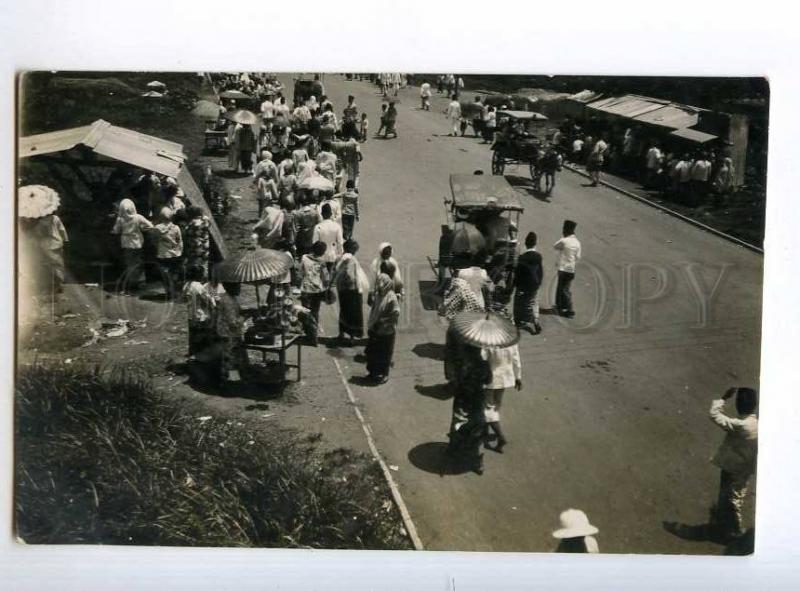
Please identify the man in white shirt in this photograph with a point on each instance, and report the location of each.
(425, 96)
(268, 109)
(700, 173)
(736, 459)
(454, 115)
(577, 150)
(569, 253)
(330, 233)
(652, 164)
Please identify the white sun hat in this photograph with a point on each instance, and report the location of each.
(574, 524)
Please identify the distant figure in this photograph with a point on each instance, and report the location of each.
(736, 458)
(169, 250)
(576, 534)
(453, 113)
(314, 282)
(330, 234)
(569, 249)
(425, 96)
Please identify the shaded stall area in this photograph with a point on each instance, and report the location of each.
(93, 167)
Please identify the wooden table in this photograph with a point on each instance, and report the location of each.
(279, 346)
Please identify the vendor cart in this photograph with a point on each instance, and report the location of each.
(482, 220)
(518, 141)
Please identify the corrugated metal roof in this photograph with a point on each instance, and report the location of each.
(55, 141)
(146, 151)
(696, 136)
(649, 110)
(672, 116)
(584, 96)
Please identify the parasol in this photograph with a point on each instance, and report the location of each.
(152, 94)
(36, 201)
(485, 329)
(317, 182)
(242, 116)
(253, 266)
(233, 94)
(156, 84)
(467, 239)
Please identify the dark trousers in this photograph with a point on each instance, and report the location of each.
(170, 275)
(563, 291)
(526, 307)
(348, 223)
(728, 512)
(313, 301)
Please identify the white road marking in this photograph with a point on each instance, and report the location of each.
(398, 498)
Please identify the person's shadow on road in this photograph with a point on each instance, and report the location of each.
(437, 391)
(704, 532)
(431, 457)
(433, 351)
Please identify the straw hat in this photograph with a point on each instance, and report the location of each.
(574, 524)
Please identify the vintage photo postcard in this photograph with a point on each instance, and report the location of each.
(400, 311)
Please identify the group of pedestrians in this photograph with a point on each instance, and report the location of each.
(688, 176)
(170, 232)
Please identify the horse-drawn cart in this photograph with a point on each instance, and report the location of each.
(482, 221)
(517, 141)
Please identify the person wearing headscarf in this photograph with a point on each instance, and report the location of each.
(381, 327)
(385, 252)
(197, 239)
(305, 170)
(169, 249)
(722, 182)
(327, 162)
(269, 228)
(129, 225)
(351, 283)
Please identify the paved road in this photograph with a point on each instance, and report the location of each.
(612, 418)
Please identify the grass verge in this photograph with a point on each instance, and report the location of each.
(102, 457)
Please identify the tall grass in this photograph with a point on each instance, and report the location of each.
(104, 458)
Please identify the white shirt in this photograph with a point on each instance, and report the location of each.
(505, 365)
(425, 90)
(454, 110)
(653, 158)
(330, 233)
(577, 145)
(737, 453)
(701, 170)
(569, 249)
(267, 108)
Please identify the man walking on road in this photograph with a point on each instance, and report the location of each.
(454, 116)
(736, 458)
(569, 253)
(527, 281)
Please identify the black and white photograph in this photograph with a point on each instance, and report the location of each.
(389, 311)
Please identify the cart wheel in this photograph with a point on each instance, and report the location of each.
(498, 163)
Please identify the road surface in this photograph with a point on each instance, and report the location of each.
(612, 418)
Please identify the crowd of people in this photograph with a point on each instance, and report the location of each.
(306, 181)
(688, 176)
